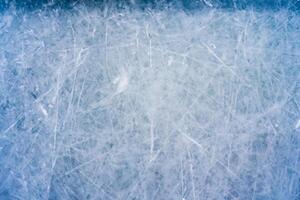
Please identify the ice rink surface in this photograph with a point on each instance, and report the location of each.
(142, 100)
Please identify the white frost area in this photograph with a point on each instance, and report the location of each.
(149, 105)
(122, 82)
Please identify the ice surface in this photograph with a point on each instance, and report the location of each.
(298, 125)
(149, 104)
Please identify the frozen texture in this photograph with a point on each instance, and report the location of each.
(119, 104)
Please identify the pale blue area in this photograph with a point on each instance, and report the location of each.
(65, 133)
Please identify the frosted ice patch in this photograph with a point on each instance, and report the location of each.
(122, 82)
(43, 110)
(170, 60)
